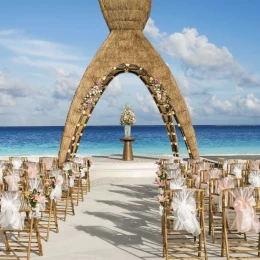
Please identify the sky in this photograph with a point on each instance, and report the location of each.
(211, 47)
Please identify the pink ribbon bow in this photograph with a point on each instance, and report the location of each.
(32, 171)
(246, 219)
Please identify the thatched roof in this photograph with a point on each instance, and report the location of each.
(126, 15)
(127, 44)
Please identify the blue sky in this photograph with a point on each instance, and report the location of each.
(211, 47)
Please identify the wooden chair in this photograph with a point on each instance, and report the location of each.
(65, 205)
(235, 242)
(19, 240)
(48, 220)
(178, 243)
(17, 162)
(215, 208)
(47, 164)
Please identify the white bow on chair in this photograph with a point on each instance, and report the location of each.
(177, 183)
(254, 178)
(17, 163)
(10, 217)
(57, 192)
(225, 183)
(12, 180)
(184, 208)
(236, 169)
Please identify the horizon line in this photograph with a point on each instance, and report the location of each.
(133, 126)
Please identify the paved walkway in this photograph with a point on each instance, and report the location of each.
(117, 221)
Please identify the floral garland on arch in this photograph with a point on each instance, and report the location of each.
(161, 182)
(162, 95)
(93, 95)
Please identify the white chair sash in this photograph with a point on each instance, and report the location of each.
(184, 208)
(225, 183)
(10, 217)
(173, 166)
(254, 178)
(17, 163)
(236, 169)
(79, 160)
(34, 183)
(57, 192)
(12, 179)
(246, 219)
(67, 166)
(174, 173)
(1, 176)
(177, 183)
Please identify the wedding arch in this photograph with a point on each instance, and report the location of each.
(127, 50)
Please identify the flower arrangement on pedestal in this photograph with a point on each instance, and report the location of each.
(127, 119)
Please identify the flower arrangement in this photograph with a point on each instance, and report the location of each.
(161, 182)
(71, 174)
(162, 95)
(35, 199)
(52, 182)
(128, 116)
(93, 95)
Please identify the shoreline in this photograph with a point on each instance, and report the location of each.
(146, 158)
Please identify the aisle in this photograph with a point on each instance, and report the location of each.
(118, 220)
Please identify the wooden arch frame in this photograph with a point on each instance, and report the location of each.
(125, 45)
(167, 116)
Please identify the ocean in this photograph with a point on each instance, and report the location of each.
(103, 140)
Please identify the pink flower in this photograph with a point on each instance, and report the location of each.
(47, 184)
(156, 81)
(159, 172)
(156, 181)
(57, 182)
(39, 198)
(161, 183)
(162, 198)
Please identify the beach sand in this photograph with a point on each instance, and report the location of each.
(118, 219)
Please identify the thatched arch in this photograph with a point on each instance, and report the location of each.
(126, 45)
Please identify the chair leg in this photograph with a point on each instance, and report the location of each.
(55, 217)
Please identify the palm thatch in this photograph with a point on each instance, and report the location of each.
(127, 45)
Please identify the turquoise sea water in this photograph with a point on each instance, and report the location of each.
(98, 140)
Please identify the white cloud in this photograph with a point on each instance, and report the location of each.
(248, 105)
(114, 88)
(190, 107)
(7, 32)
(21, 44)
(66, 84)
(151, 29)
(201, 59)
(48, 64)
(6, 100)
(147, 103)
(14, 87)
(238, 89)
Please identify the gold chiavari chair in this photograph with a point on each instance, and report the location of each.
(17, 162)
(216, 187)
(14, 180)
(178, 243)
(20, 237)
(65, 205)
(48, 220)
(234, 239)
(47, 164)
